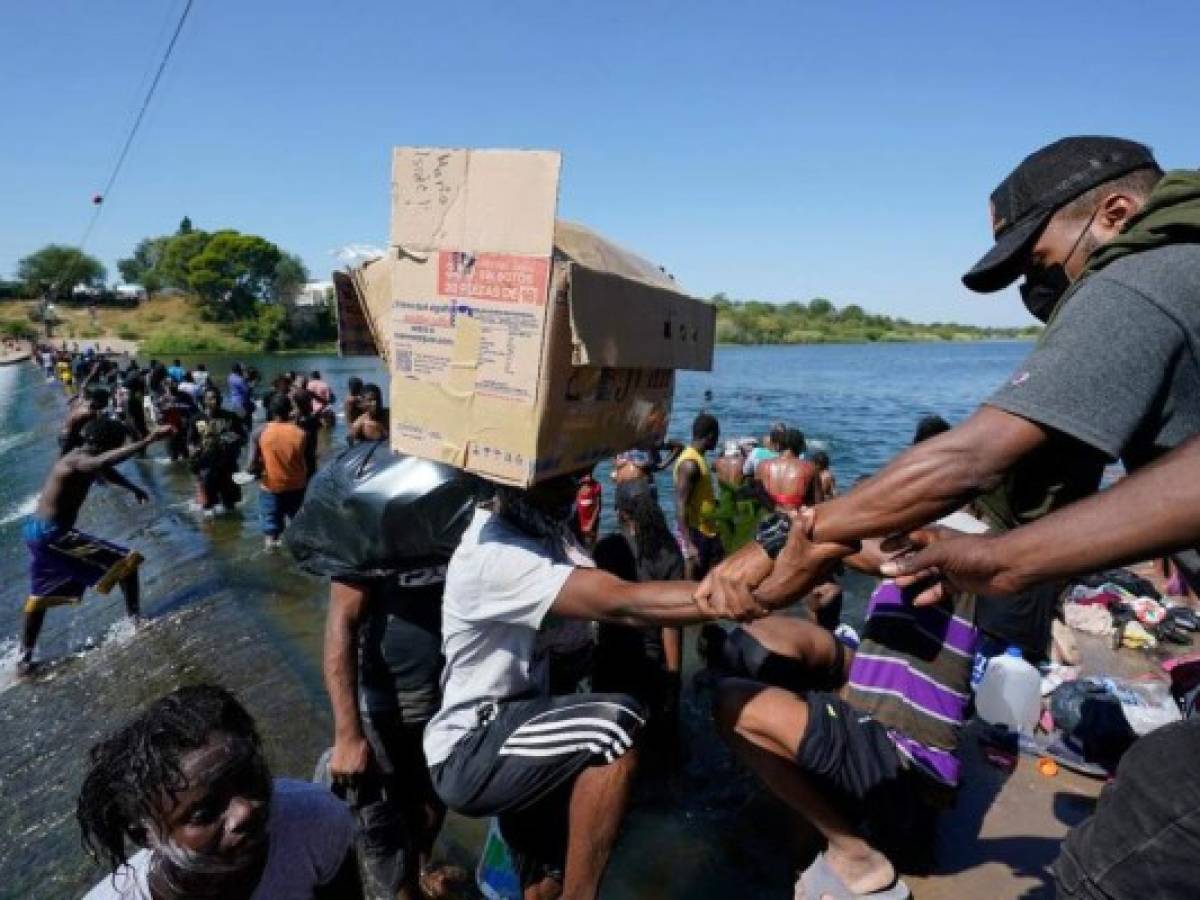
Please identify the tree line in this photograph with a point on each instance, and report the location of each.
(243, 280)
(819, 321)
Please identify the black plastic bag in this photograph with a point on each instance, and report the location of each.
(370, 513)
(1091, 718)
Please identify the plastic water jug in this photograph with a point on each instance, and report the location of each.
(1010, 692)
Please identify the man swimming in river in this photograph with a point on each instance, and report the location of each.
(66, 562)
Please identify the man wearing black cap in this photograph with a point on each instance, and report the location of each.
(1109, 249)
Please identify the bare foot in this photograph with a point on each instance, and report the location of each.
(863, 872)
(442, 881)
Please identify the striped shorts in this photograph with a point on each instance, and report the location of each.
(520, 763)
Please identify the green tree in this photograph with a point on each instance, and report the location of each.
(820, 308)
(56, 268)
(290, 276)
(233, 273)
(142, 267)
(185, 226)
(177, 255)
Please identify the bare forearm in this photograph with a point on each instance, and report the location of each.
(669, 603)
(340, 666)
(114, 457)
(931, 479)
(672, 639)
(1151, 513)
(916, 488)
(112, 476)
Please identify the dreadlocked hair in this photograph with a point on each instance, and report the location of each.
(132, 770)
(653, 536)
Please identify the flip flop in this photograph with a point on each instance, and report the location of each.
(820, 881)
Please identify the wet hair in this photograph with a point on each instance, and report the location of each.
(929, 426)
(103, 434)
(820, 459)
(612, 555)
(315, 375)
(1139, 183)
(281, 406)
(795, 441)
(705, 426)
(354, 385)
(653, 535)
(373, 390)
(131, 771)
(236, 369)
(778, 434)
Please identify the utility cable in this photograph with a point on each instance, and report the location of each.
(137, 122)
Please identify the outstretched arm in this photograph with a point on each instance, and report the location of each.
(102, 461)
(1150, 513)
(931, 479)
(597, 595)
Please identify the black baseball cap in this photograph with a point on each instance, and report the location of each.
(1043, 183)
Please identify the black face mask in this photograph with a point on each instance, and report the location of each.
(1043, 288)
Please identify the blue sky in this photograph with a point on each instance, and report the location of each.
(769, 150)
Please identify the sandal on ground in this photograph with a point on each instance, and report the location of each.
(820, 880)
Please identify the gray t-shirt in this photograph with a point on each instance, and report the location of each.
(500, 586)
(310, 834)
(1117, 368)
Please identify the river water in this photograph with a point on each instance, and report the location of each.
(224, 610)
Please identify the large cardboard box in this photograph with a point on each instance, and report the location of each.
(520, 348)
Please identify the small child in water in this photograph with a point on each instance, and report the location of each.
(825, 475)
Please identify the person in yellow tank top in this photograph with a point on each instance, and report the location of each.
(695, 502)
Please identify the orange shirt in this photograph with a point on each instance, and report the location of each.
(281, 445)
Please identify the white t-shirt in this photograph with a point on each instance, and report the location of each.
(310, 834)
(500, 585)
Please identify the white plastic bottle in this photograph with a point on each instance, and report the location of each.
(1010, 692)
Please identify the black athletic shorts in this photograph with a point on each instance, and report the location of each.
(520, 763)
(738, 653)
(850, 753)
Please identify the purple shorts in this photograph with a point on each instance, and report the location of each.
(65, 562)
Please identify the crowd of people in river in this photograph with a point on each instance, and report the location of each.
(456, 683)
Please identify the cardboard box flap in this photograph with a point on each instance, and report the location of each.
(578, 243)
(498, 201)
(354, 334)
(372, 288)
(620, 322)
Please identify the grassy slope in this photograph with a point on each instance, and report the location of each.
(168, 324)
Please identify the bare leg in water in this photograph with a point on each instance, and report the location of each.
(132, 589)
(598, 800)
(32, 626)
(764, 726)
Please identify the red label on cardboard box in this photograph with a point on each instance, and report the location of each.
(493, 276)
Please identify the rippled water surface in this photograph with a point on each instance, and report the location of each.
(224, 610)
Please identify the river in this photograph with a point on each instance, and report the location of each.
(222, 609)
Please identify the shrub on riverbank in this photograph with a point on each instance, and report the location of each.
(820, 322)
